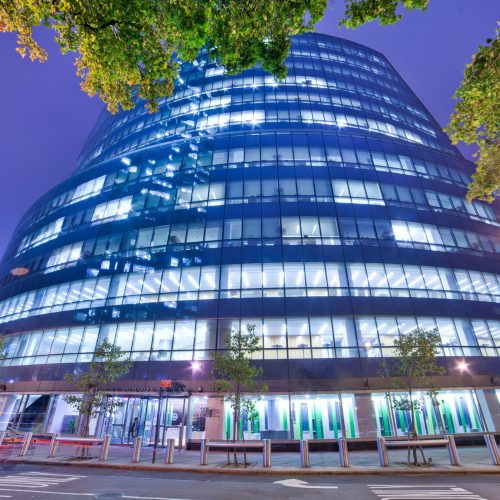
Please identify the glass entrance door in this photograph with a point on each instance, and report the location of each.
(137, 417)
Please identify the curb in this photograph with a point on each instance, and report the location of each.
(275, 471)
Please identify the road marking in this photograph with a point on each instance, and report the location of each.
(154, 498)
(67, 493)
(89, 494)
(421, 491)
(409, 485)
(52, 474)
(297, 483)
(31, 480)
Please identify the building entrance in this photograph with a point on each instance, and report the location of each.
(137, 417)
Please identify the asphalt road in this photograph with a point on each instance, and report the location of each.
(59, 482)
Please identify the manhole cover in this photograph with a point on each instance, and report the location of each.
(108, 495)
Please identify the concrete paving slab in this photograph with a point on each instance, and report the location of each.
(474, 460)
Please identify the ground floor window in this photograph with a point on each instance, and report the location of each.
(23, 412)
(324, 416)
(179, 418)
(446, 412)
(309, 416)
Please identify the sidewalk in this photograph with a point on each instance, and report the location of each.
(474, 460)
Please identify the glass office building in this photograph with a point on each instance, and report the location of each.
(326, 209)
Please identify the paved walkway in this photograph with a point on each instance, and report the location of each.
(474, 460)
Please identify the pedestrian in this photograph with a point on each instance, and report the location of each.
(133, 430)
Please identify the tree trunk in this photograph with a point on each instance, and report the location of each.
(235, 433)
(227, 439)
(435, 402)
(245, 463)
(82, 452)
(415, 435)
(412, 430)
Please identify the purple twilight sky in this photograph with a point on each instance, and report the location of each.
(45, 118)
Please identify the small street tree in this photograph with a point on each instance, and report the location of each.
(414, 364)
(235, 378)
(106, 366)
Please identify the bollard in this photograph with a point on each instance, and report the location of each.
(492, 448)
(26, 443)
(304, 453)
(105, 448)
(53, 445)
(181, 437)
(452, 450)
(382, 452)
(136, 455)
(204, 452)
(266, 453)
(344, 456)
(169, 457)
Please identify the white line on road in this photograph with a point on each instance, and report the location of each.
(68, 493)
(399, 486)
(154, 498)
(422, 491)
(297, 483)
(52, 474)
(35, 484)
(30, 480)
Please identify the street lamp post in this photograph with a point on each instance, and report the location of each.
(157, 429)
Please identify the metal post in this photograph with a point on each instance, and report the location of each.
(266, 453)
(169, 457)
(382, 452)
(452, 450)
(392, 420)
(105, 448)
(492, 448)
(26, 443)
(304, 453)
(137, 449)
(181, 430)
(342, 418)
(344, 457)
(203, 452)
(157, 428)
(479, 409)
(188, 426)
(181, 437)
(53, 445)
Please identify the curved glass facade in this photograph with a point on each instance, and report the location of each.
(327, 209)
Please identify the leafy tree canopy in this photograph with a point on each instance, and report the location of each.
(233, 371)
(358, 12)
(106, 366)
(236, 377)
(415, 356)
(414, 364)
(476, 119)
(3, 352)
(128, 48)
